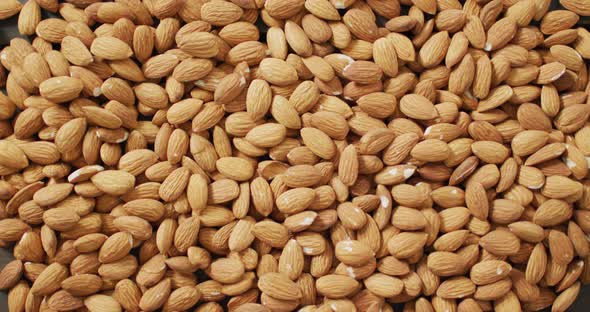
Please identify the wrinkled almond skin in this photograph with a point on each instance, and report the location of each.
(295, 155)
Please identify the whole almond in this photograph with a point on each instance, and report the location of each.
(60, 89)
(500, 242)
(336, 286)
(110, 48)
(116, 182)
(279, 286)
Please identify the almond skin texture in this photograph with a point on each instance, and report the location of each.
(11, 156)
(295, 155)
(115, 182)
(60, 89)
(287, 290)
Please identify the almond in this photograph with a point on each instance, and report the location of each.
(266, 135)
(11, 156)
(500, 33)
(63, 300)
(279, 286)
(488, 272)
(406, 244)
(431, 150)
(52, 194)
(376, 282)
(82, 285)
(110, 48)
(49, 280)
(500, 242)
(11, 274)
(285, 161)
(444, 263)
(417, 107)
(295, 200)
(319, 142)
(434, 49)
(60, 89)
(336, 286)
(560, 247)
(116, 182)
(101, 302)
(362, 72)
(490, 152)
(455, 287)
(9, 9)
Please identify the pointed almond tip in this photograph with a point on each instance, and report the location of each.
(487, 47)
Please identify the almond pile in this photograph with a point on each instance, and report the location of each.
(295, 155)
